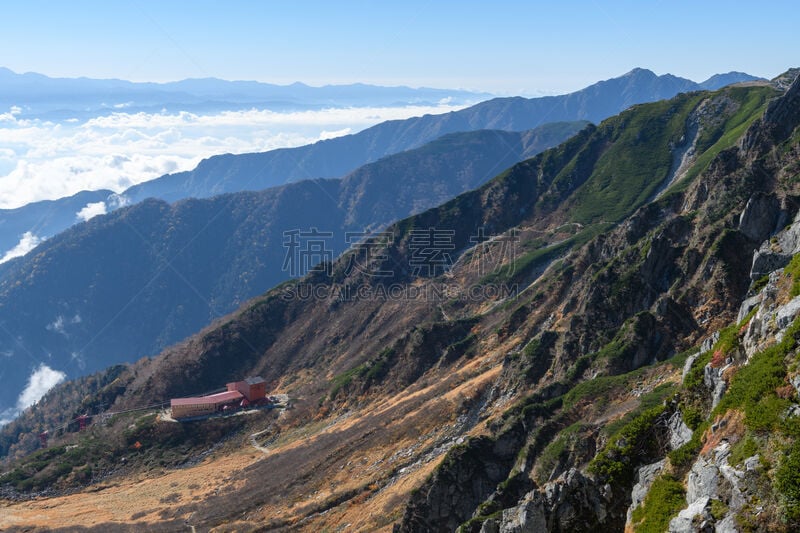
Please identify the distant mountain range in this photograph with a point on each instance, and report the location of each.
(126, 285)
(39, 96)
(335, 158)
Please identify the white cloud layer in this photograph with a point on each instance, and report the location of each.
(92, 210)
(42, 380)
(42, 160)
(27, 242)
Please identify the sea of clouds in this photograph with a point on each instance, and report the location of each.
(45, 160)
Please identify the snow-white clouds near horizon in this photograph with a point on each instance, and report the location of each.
(27, 242)
(45, 160)
(41, 380)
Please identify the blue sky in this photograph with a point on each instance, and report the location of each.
(503, 46)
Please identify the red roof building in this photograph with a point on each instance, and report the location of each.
(204, 405)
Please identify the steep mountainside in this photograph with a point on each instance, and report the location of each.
(443, 380)
(126, 285)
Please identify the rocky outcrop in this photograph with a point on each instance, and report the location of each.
(646, 289)
(779, 120)
(712, 478)
(679, 433)
(644, 480)
(762, 216)
(705, 346)
(466, 477)
(783, 114)
(693, 518)
(770, 321)
(713, 380)
(776, 252)
(571, 503)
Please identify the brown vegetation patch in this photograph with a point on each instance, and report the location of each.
(729, 427)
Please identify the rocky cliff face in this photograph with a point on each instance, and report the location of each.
(572, 503)
(716, 490)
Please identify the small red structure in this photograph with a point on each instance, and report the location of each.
(253, 388)
(83, 421)
(43, 436)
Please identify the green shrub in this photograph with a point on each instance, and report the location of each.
(655, 398)
(636, 443)
(692, 416)
(793, 270)
(753, 387)
(664, 500)
(728, 340)
(694, 378)
(746, 447)
(343, 380)
(718, 509)
(787, 481)
(678, 360)
(556, 451)
(760, 283)
(596, 390)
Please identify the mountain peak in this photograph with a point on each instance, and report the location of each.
(785, 80)
(717, 81)
(639, 72)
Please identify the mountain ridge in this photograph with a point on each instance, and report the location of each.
(35, 85)
(336, 157)
(511, 114)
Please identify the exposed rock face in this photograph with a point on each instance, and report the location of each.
(783, 113)
(706, 345)
(703, 480)
(709, 343)
(769, 323)
(713, 380)
(713, 478)
(644, 480)
(684, 522)
(779, 120)
(761, 217)
(569, 504)
(469, 475)
(679, 432)
(687, 366)
(777, 252)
